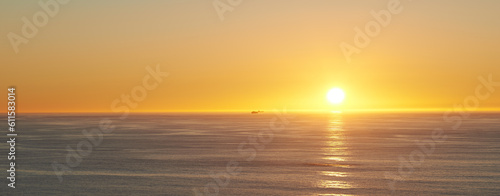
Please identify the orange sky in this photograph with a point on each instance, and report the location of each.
(263, 55)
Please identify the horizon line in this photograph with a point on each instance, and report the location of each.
(405, 110)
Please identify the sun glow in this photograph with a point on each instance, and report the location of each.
(335, 96)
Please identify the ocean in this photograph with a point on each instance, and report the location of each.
(256, 154)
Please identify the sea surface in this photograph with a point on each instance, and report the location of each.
(256, 154)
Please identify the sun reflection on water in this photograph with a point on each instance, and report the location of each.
(335, 184)
(336, 152)
(333, 173)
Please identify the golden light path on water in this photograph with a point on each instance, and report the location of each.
(335, 153)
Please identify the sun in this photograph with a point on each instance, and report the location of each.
(335, 95)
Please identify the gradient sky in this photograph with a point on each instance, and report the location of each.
(264, 55)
